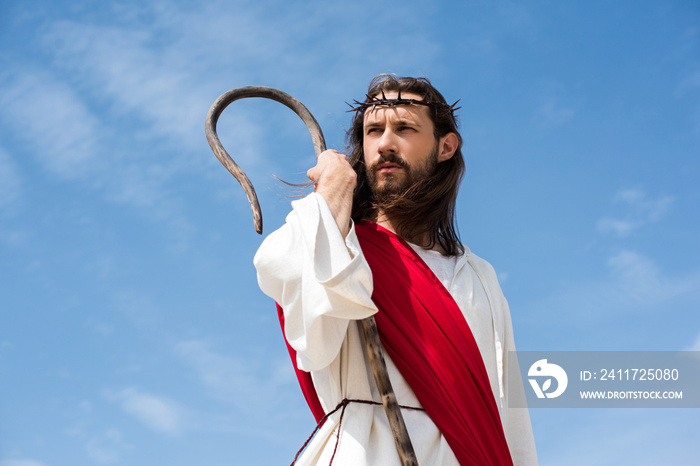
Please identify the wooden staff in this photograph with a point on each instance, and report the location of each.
(369, 326)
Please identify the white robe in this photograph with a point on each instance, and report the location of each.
(324, 285)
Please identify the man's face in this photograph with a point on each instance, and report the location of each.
(399, 146)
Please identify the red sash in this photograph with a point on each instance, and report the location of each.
(425, 334)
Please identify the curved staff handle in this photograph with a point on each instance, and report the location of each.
(369, 326)
(255, 91)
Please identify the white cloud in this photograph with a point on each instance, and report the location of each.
(696, 345)
(138, 307)
(161, 70)
(630, 196)
(640, 209)
(636, 278)
(689, 83)
(229, 379)
(103, 329)
(619, 227)
(54, 125)
(237, 380)
(651, 209)
(642, 437)
(125, 66)
(21, 462)
(106, 448)
(157, 413)
(553, 113)
(10, 182)
(259, 396)
(634, 285)
(51, 119)
(557, 104)
(639, 278)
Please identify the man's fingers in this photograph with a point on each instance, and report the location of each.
(325, 159)
(312, 174)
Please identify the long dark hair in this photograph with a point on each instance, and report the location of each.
(425, 209)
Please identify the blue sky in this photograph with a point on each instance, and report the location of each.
(132, 330)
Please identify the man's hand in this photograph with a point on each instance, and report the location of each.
(335, 180)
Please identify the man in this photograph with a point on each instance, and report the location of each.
(377, 237)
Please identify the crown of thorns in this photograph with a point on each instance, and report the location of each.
(374, 102)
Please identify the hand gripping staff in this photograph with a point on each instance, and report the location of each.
(369, 326)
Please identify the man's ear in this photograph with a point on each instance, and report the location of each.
(447, 146)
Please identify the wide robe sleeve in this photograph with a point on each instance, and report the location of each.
(321, 280)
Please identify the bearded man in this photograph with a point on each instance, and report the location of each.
(377, 237)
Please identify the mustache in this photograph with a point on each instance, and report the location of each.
(389, 158)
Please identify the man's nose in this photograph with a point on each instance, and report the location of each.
(387, 143)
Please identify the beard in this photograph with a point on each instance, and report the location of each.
(400, 183)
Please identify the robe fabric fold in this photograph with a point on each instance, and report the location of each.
(424, 332)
